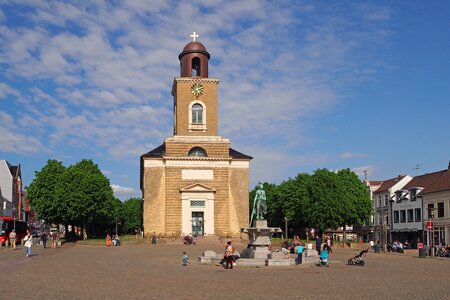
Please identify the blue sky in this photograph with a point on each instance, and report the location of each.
(363, 85)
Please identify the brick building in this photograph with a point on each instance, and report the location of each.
(194, 183)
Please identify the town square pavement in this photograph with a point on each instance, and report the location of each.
(145, 271)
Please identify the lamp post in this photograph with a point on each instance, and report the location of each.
(385, 232)
(286, 227)
(431, 218)
(14, 209)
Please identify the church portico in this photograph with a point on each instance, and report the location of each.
(197, 210)
(194, 183)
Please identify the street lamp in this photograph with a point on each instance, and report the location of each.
(14, 209)
(431, 217)
(286, 226)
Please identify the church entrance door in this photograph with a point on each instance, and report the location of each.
(197, 223)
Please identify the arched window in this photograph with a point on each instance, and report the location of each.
(197, 152)
(197, 114)
(196, 66)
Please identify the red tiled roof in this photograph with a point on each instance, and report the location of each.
(375, 182)
(387, 184)
(424, 181)
(441, 183)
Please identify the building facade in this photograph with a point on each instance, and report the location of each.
(194, 183)
(382, 197)
(11, 190)
(407, 210)
(367, 230)
(436, 208)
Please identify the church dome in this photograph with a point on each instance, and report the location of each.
(194, 47)
(194, 60)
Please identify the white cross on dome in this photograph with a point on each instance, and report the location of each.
(194, 35)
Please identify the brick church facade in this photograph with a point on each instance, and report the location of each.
(194, 183)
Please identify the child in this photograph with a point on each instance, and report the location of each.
(299, 259)
(324, 258)
(185, 259)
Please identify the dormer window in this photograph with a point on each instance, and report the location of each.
(401, 195)
(413, 193)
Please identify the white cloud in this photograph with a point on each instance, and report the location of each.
(14, 142)
(106, 172)
(351, 155)
(120, 190)
(6, 90)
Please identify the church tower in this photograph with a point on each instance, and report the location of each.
(194, 183)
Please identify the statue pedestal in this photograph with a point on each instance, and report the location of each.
(260, 237)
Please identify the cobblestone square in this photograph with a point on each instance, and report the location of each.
(145, 271)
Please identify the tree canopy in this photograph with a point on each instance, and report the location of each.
(132, 214)
(325, 199)
(79, 194)
(42, 192)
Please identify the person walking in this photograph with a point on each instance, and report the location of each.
(12, 239)
(54, 238)
(44, 239)
(318, 243)
(28, 243)
(184, 259)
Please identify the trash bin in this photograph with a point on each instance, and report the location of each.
(422, 253)
(377, 248)
(153, 240)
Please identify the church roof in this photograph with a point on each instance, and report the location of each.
(194, 47)
(161, 150)
(239, 155)
(157, 152)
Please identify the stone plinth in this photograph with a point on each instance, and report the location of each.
(258, 254)
(260, 237)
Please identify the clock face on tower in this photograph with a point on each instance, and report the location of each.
(197, 89)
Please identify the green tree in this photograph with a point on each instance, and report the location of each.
(86, 193)
(42, 192)
(324, 208)
(293, 196)
(132, 214)
(353, 193)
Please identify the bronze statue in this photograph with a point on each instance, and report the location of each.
(259, 204)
